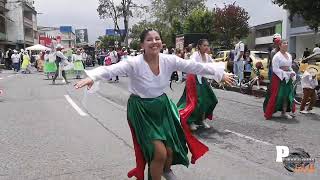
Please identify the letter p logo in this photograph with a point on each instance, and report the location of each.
(282, 151)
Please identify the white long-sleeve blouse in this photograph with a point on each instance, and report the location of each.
(278, 61)
(144, 83)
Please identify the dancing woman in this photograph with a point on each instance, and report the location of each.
(280, 94)
(202, 94)
(153, 118)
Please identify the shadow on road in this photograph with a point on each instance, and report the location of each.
(284, 121)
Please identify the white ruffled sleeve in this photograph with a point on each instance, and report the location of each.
(107, 72)
(216, 70)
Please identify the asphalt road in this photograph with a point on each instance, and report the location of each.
(56, 132)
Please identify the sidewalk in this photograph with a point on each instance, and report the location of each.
(258, 92)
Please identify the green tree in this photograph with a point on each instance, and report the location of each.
(308, 9)
(135, 44)
(124, 10)
(231, 21)
(201, 21)
(106, 41)
(166, 32)
(167, 10)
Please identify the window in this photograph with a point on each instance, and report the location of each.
(2, 25)
(220, 55)
(266, 32)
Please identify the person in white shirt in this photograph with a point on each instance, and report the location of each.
(114, 60)
(16, 61)
(309, 83)
(60, 61)
(280, 94)
(206, 99)
(154, 120)
(316, 49)
(238, 59)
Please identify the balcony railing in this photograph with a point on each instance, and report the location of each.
(29, 39)
(28, 22)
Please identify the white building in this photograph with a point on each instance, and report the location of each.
(21, 23)
(300, 36)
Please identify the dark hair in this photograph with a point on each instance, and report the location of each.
(201, 41)
(144, 34)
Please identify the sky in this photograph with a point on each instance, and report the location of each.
(83, 14)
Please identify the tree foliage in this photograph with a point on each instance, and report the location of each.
(166, 32)
(230, 21)
(106, 41)
(200, 21)
(167, 10)
(126, 9)
(308, 9)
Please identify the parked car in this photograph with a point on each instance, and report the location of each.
(261, 56)
(256, 56)
(224, 56)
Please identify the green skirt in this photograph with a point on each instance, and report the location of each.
(157, 119)
(207, 101)
(50, 67)
(78, 66)
(285, 91)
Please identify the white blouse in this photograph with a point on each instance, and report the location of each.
(144, 83)
(76, 57)
(279, 61)
(196, 56)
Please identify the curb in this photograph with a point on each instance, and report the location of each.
(258, 93)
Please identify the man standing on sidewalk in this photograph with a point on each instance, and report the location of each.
(238, 59)
(114, 60)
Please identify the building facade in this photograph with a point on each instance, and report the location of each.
(51, 36)
(20, 29)
(263, 34)
(300, 36)
(3, 24)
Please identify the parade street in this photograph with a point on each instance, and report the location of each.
(55, 132)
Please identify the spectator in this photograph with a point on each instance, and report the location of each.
(247, 65)
(16, 61)
(316, 49)
(238, 59)
(306, 53)
(165, 49)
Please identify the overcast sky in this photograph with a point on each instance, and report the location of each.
(83, 13)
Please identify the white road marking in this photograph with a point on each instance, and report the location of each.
(10, 76)
(248, 137)
(1, 78)
(75, 106)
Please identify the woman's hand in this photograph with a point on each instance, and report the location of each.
(228, 79)
(84, 82)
